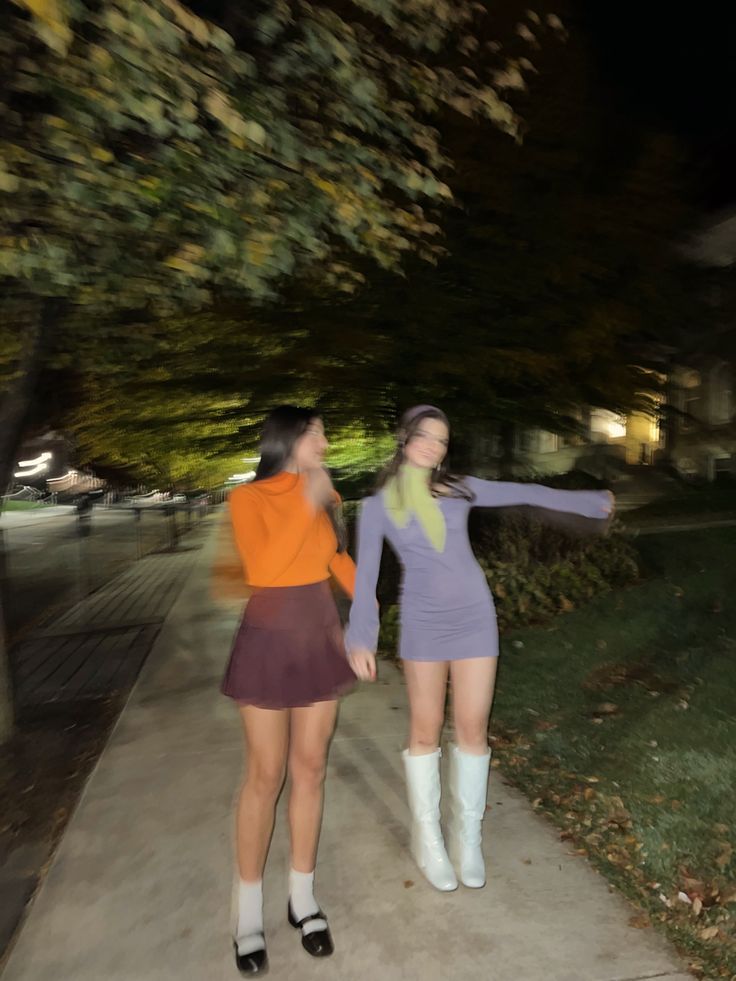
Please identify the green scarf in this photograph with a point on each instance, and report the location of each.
(408, 494)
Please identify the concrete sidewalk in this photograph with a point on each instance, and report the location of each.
(140, 889)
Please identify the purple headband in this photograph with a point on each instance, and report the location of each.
(411, 414)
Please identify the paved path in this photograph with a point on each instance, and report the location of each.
(48, 566)
(141, 885)
(99, 645)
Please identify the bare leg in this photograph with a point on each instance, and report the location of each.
(311, 731)
(426, 683)
(267, 739)
(473, 684)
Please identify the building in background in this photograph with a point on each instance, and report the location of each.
(692, 428)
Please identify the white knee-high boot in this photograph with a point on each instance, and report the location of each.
(427, 844)
(468, 789)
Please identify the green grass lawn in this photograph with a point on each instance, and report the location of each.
(20, 505)
(619, 721)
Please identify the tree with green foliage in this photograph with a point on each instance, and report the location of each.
(562, 286)
(150, 165)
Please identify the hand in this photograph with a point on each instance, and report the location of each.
(363, 663)
(319, 489)
(609, 507)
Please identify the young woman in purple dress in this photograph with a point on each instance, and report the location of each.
(448, 628)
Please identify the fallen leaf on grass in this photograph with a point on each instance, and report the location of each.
(707, 894)
(691, 885)
(725, 856)
(607, 708)
(640, 921)
(728, 895)
(697, 906)
(618, 815)
(709, 933)
(721, 829)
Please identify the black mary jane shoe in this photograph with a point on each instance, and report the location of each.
(319, 943)
(253, 963)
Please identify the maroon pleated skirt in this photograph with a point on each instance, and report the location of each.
(289, 649)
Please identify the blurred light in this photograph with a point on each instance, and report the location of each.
(37, 465)
(36, 462)
(607, 424)
(55, 480)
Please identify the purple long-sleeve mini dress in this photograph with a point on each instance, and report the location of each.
(446, 607)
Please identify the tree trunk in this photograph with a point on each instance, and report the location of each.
(14, 409)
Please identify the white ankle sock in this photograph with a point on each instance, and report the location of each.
(249, 934)
(303, 903)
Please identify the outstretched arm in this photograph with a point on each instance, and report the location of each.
(501, 494)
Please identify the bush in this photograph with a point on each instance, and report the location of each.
(535, 571)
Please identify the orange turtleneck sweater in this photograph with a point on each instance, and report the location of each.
(282, 540)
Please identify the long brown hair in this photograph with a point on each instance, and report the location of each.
(281, 430)
(440, 477)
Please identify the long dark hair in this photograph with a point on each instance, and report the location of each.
(281, 431)
(441, 479)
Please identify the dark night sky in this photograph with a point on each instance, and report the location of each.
(675, 71)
